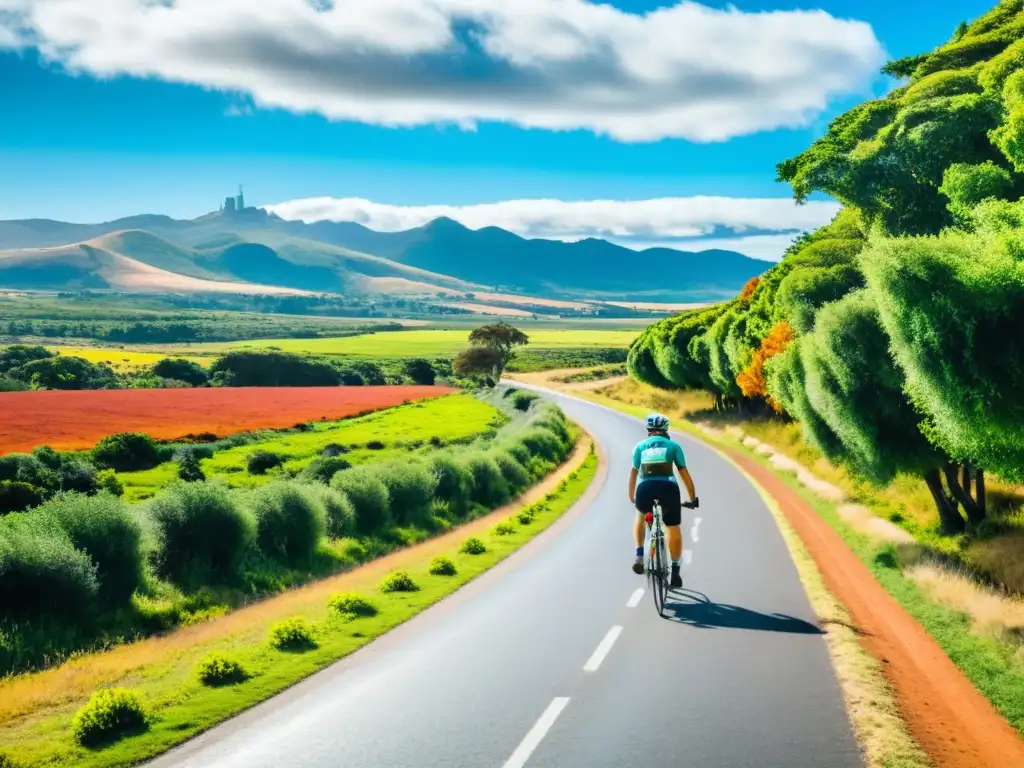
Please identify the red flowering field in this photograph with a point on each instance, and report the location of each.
(79, 419)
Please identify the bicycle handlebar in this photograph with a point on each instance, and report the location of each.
(692, 504)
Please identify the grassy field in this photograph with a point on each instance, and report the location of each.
(425, 343)
(36, 710)
(402, 430)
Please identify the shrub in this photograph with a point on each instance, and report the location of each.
(504, 529)
(294, 634)
(109, 714)
(220, 669)
(341, 516)
(16, 496)
(443, 566)
(511, 470)
(489, 486)
(333, 449)
(473, 546)
(201, 532)
(522, 401)
(290, 522)
(323, 468)
(126, 452)
(189, 470)
(375, 445)
(541, 442)
(411, 488)
(271, 368)
(260, 462)
(369, 497)
(420, 371)
(107, 481)
(182, 370)
(41, 571)
(399, 581)
(102, 527)
(454, 482)
(525, 517)
(352, 605)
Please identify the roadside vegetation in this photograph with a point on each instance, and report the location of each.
(244, 517)
(124, 706)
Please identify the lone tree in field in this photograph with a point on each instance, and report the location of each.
(501, 339)
(477, 361)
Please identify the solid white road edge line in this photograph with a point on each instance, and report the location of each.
(540, 728)
(603, 649)
(634, 601)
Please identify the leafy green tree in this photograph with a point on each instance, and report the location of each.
(18, 355)
(503, 338)
(420, 371)
(953, 307)
(248, 368)
(477, 361)
(65, 372)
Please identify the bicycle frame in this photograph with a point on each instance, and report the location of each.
(657, 570)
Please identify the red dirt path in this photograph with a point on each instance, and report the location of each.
(79, 419)
(955, 725)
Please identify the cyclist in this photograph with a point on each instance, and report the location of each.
(653, 461)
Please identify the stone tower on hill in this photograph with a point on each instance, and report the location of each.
(234, 204)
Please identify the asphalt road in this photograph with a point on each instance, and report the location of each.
(554, 658)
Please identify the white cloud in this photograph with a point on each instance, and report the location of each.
(633, 223)
(688, 71)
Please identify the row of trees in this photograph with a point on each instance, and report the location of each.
(894, 333)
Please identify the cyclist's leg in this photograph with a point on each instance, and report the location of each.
(672, 515)
(644, 504)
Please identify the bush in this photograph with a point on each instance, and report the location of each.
(454, 482)
(182, 370)
(525, 517)
(247, 368)
(102, 527)
(189, 470)
(511, 470)
(473, 546)
(110, 714)
(107, 481)
(294, 634)
(16, 496)
(375, 445)
(369, 498)
(352, 605)
(201, 532)
(504, 529)
(443, 566)
(333, 449)
(290, 522)
(41, 571)
(420, 371)
(522, 401)
(341, 515)
(260, 462)
(399, 581)
(411, 488)
(489, 486)
(323, 468)
(543, 443)
(126, 452)
(219, 669)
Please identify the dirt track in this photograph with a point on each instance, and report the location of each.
(945, 713)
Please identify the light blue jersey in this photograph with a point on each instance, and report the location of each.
(654, 457)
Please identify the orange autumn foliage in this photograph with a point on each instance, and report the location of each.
(748, 289)
(751, 381)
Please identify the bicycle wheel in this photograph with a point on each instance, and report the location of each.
(660, 585)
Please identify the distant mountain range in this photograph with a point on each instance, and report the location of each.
(253, 251)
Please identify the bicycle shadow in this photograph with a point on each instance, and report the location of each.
(701, 612)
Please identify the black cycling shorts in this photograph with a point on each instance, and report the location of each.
(667, 493)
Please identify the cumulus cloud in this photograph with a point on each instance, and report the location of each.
(684, 71)
(769, 223)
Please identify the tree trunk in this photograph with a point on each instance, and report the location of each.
(974, 514)
(949, 516)
(966, 475)
(979, 484)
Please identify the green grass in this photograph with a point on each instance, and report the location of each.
(425, 343)
(181, 706)
(453, 418)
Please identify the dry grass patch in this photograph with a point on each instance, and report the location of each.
(992, 612)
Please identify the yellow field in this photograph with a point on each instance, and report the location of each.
(119, 359)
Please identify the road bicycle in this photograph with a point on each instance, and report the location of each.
(657, 556)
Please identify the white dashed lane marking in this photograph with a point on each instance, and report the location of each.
(634, 600)
(539, 730)
(602, 650)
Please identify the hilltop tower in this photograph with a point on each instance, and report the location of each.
(229, 205)
(240, 200)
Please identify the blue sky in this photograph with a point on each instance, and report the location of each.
(91, 147)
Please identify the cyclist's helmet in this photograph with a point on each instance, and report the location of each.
(657, 423)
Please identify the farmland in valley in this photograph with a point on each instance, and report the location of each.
(78, 419)
(121, 359)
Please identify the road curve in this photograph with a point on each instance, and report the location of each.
(553, 659)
